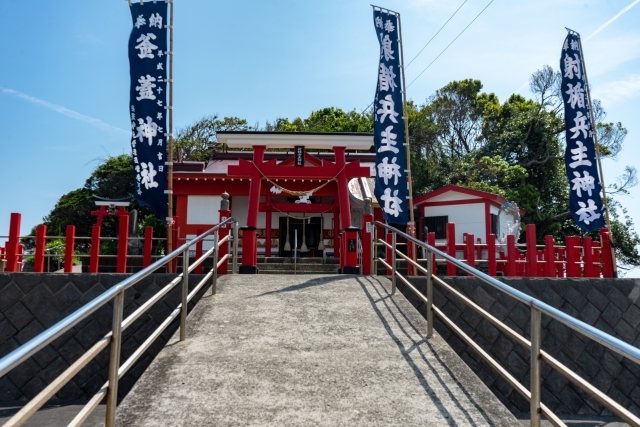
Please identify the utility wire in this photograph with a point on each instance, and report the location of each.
(434, 36)
(445, 49)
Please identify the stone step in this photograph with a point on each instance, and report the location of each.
(291, 272)
(287, 260)
(315, 268)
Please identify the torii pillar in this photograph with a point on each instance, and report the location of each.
(249, 238)
(350, 233)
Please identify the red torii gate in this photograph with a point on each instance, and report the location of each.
(340, 170)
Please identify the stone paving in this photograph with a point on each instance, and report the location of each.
(309, 350)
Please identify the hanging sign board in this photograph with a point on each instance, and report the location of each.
(388, 126)
(580, 156)
(299, 155)
(147, 100)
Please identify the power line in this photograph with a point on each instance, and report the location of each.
(454, 13)
(434, 36)
(445, 49)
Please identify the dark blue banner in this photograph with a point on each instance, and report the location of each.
(388, 126)
(580, 156)
(148, 64)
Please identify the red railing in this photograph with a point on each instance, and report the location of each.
(578, 257)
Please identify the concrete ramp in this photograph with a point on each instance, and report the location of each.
(309, 350)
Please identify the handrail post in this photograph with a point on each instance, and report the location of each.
(535, 367)
(234, 263)
(393, 263)
(114, 360)
(185, 294)
(374, 250)
(216, 252)
(429, 294)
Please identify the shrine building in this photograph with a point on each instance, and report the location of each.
(281, 184)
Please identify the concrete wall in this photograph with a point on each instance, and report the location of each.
(611, 305)
(32, 302)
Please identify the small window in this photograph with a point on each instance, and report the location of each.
(495, 225)
(438, 225)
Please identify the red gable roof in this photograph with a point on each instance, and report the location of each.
(499, 201)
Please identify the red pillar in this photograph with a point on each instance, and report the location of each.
(571, 242)
(68, 248)
(561, 262)
(588, 257)
(336, 233)
(343, 189)
(41, 243)
(148, 246)
(491, 254)
(470, 251)
(512, 255)
(549, 256)
(94, 256)
(431, 241)
(13, 242)
(597, 260)
(123, 240)
(367, 236)
(451, 247)
(174, 239)
(198, 269)
(249, 237)
(267, 218)
(223, 232)
(532, 251)
(607, 257)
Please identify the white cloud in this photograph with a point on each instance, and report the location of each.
(612, 92)
(62, 110)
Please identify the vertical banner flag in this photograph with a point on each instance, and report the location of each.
(147, 64)
(388, 126)
(580, 155)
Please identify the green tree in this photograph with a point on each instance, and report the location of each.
(197, 141)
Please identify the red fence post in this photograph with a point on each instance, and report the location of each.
(367, 236)
(431, 241)
(549, 256)
(588, 257)
(571, 243)
(148, 246)
(225, 231)
(94, 256)
(561, 262)
(532, 252)
(597, 270)
(123, 243)
(512, 255)
(470, 251)
(69, 246)
(13, 242)
(41, 243)
(176, 244)
(451, 247)
(491, 255)
(607, 258)
(198, 269)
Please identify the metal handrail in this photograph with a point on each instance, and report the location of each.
(22, 353)
(537, 308)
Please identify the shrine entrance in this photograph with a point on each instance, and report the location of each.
(311, 237)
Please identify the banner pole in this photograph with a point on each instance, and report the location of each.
(597, 145)
(412, 230)
(170, 143)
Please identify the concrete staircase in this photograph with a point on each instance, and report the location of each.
(301, 266)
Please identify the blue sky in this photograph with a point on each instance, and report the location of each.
(64, 79)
